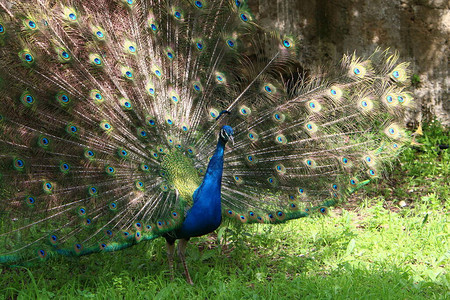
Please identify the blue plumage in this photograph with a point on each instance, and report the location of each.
(205, 215)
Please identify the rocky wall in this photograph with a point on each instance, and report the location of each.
(418, 29)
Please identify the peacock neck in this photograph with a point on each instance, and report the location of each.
(212, 181)
(215, 166)
(205, 215)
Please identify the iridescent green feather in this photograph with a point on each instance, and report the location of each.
(109, 118)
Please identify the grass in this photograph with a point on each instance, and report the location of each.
(393, 243)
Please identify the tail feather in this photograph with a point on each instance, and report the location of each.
(110, 113)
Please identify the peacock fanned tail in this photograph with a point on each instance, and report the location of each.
(110, 112)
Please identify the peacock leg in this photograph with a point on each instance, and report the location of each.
(181, 252)
(170, 250)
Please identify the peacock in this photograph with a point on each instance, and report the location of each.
(123, 121)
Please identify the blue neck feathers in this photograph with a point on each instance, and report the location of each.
(206, 213)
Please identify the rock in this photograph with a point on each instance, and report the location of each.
(402, 204)
(418, 29)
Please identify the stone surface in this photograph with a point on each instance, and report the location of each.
(418, 29)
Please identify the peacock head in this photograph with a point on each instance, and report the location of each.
(226, 134)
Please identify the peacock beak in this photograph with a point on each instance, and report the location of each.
(231, 138)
